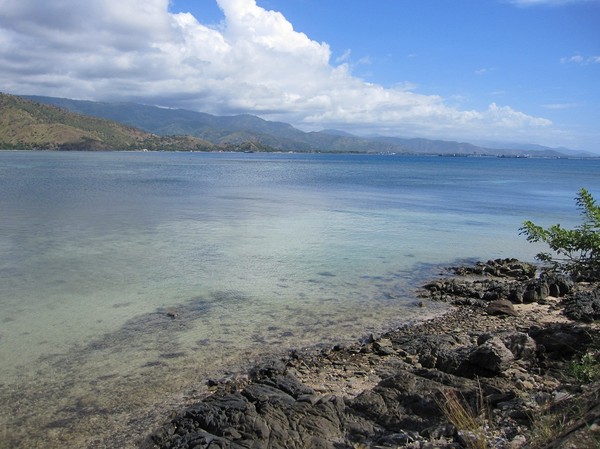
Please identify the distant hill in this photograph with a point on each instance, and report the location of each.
(248, 132)
(25, 124)
(220, 130)
(535, 149)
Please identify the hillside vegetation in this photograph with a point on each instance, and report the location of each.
(35, 122)
(233, 132)
(26, 124)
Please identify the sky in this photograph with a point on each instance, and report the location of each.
(478, 71)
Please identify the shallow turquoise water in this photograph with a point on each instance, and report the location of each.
(119, 270)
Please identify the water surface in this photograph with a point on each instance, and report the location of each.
(128, 278)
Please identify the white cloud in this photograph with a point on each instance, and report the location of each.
(579, 59)
(344, 57)
(559, 106)
(484, 71)
(253, 62)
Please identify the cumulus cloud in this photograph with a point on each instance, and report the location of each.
(254, 61)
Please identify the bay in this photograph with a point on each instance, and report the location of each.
(129, 278)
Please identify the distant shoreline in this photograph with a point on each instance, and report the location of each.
(365, 153)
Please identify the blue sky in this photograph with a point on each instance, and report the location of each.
(471, 70)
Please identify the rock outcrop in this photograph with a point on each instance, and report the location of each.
(503, 352)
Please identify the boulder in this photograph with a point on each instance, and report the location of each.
(560, 341)
(522, 346)
(501, 307)
(491, 358)
(383, 347)
(488, 359)
(558, 284)
(536, 291)
(403, 401)
(583, 306)
(259, 416)
(516, 294)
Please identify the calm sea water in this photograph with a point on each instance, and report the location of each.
(128, 278)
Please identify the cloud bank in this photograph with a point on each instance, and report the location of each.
(254, 61)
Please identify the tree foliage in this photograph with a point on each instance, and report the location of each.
(575, 251)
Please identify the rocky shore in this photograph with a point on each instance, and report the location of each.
(513, 365)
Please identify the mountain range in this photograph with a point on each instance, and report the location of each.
(104, 125)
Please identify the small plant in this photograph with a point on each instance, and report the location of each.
(546, 427)
(575, 251)
(470, 425)
(587, 368)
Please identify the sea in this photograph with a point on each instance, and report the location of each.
(127, 279)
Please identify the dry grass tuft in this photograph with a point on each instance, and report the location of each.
(470, 424)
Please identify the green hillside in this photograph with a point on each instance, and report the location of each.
(26, 124)
(243, 131)
(35, 122)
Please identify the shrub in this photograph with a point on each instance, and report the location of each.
(587, 368)
(575, 251)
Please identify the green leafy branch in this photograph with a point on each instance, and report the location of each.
(576, 251)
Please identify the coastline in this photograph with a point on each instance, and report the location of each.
(505, 343)
(109, 385)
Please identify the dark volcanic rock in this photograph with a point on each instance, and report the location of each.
(386, 392)
(522, 346)
(499, 280)
(403, 401)
(561, 341)
(536, 291)
(509, 268)
(583, 306)
(259, 417)
(489, 359)
(558, 284)
(548, 284)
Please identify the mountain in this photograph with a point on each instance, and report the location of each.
(25, 124)
(236, 130)
(248, 132)
(220, 130)
(535, 149)
(445, 147)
